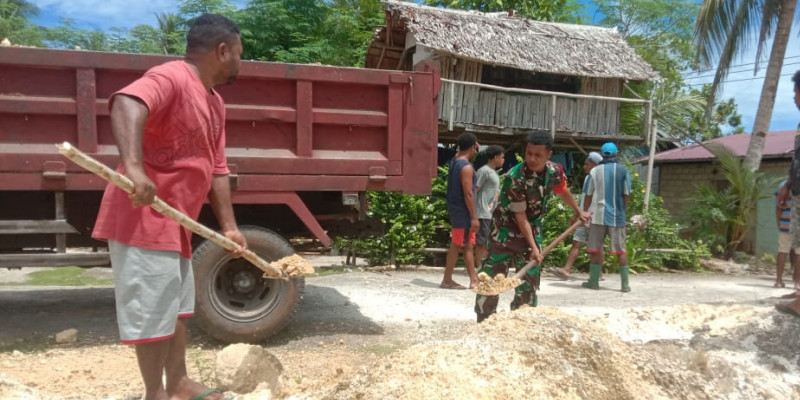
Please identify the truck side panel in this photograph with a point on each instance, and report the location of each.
(289, 127)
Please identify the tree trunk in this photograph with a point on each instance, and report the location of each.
(766, 103)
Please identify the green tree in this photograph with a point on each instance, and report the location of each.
(188, 10)
(14, 23)
(724, 215)
(308, 31)
(661, 33)
(725, 116)
(68, 36)
(171, 36)
(659, 30)
(541, 10)
(725, 30)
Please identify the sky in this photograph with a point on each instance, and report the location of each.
(740, 84)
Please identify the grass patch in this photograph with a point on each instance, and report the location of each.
(64, 276)
(331, 271)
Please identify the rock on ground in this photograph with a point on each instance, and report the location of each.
(67, 336)
(243, 368)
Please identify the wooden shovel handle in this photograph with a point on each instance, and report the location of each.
(547, 249)
(122, 181)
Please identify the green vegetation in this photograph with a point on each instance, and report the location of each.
(63, 276)
(724, 215)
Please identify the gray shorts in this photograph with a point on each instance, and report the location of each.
(153, 288)
(484, 229)
(597, 237)
(581, 234)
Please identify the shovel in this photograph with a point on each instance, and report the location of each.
(493, 287)
(121, 181)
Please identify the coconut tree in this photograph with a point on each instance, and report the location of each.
(724, 30)
(170, 34)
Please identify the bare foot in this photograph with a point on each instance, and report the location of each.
(451, 285)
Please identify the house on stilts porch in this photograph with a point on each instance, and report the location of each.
(504, 76)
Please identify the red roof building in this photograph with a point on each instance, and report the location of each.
(780, 144)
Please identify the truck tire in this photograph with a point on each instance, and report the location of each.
(233, 302)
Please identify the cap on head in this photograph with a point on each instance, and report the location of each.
(609, 149)
(595, 157)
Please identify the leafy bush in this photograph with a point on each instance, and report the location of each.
(412, 222)
(724, 216)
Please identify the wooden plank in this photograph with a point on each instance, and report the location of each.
(23, 227)
(85, 106)
(305, 112)
(55, 260)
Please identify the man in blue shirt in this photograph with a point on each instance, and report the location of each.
(608, 194)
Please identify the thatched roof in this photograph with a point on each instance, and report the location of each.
(496, 38)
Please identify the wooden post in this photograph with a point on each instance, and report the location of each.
(61, 215)
(553, 100)
(652, 133)
(452, 105)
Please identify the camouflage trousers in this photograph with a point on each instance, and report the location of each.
(525, 293)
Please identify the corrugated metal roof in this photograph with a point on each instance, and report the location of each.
(779, 144)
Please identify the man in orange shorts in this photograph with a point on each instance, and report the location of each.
(461, 209)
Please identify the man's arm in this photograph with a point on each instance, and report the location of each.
(568, 199)
(626, 199)
(128, 117)
(220, 199)
(778, 215)
(469, 197)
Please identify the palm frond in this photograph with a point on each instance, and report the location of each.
(738, 40)
(769, 21)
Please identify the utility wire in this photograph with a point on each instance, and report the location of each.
(734, 72)
(735, 66)
(738, 80)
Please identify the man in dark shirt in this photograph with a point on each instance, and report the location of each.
(792, 189)
(461, 208)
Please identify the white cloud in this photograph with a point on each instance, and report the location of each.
(104, 14)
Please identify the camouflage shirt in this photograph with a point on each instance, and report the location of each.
(524, 190)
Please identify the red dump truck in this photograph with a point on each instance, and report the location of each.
(304, 144)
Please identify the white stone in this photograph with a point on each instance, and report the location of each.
(67, 336)
(243, 368)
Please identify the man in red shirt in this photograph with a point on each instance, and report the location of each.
(169, 127)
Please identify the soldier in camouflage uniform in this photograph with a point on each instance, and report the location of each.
(517, 221)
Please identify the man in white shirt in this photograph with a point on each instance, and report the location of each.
(488, 184)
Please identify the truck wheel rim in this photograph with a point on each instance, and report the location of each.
(239, 293)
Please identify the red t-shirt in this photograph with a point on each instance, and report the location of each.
(183, 147)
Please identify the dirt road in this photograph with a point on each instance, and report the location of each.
(359, 317)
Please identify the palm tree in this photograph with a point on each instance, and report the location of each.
(723, 31)
(169, 32)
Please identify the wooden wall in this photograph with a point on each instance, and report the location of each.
(491, 107)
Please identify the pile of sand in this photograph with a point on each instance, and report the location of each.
(544, 353)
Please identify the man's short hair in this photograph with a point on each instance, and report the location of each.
(466, 141)
(541, 137)
(796, 80)
(493, 151)
(208, 31)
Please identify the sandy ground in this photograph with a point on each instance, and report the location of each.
(352, 320)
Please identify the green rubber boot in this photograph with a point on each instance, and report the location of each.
(624, 272)
(594, 277)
